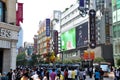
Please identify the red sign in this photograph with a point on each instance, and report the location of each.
(92, 55)
(19, 14)
(86, 55)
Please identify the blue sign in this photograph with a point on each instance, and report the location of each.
(48, 27)
(81, 3)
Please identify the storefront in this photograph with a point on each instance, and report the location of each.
(8, 40)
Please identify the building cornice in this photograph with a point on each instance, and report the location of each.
(9, 26)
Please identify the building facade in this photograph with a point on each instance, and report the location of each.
(116, 29)
(44, 42)
(77, 28)
(8, 35)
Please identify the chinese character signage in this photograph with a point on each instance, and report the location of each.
(92, 21)
(81, 3)
(55, 40)
(47, 27)
(107, 27)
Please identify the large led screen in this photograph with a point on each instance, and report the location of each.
(82, 35)
(68, 39)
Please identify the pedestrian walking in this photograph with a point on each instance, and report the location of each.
(97, 75)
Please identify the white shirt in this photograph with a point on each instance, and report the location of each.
(69, 74)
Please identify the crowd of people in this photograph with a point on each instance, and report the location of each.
(61, 73)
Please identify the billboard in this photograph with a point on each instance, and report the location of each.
(82, 35)
(68, 39)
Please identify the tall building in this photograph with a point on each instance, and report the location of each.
(116, 29)
(8, 35)
(43, 41)
(77, 27)
(20, 39)
(29, 48)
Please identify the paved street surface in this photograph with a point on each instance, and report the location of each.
(87, 78)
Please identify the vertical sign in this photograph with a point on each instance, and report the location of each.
(81, 3)
(92, 21)
(107, 27)
(19, 14)
(47, 27)
(55, 40)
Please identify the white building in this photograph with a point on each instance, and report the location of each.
(72, 24)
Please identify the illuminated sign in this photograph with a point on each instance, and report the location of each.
(5, 33)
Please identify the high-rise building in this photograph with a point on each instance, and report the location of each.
(8, 35)
(43, 40)
(116, 29)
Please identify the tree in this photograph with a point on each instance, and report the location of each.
(21, 59)
(99, 59)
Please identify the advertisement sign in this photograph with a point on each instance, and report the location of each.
(81, 3)
(118, 4)
(114, 5)
(86, 55)
(92, 22)
(114, 19)
(92, 55)
(118, 15)
(47, 27)
(68, 39)
(55, 41)
(82, 35)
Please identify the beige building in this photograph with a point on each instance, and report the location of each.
(8, 35)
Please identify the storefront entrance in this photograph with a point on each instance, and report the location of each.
(1, 60)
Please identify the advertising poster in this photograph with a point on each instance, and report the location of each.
(82, 35)
(68, 39)
(118, 14)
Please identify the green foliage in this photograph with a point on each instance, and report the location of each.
(67, 61)
(21, 59)
(99, 59)
(118, 62)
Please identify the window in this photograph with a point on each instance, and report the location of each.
(2, 11)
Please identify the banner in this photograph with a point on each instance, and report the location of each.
(19, 14)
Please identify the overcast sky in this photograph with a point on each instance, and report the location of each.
(38, 10)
